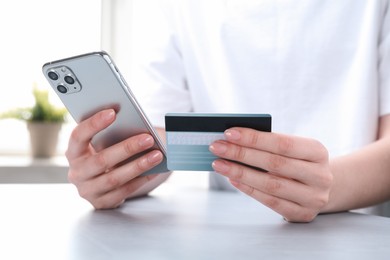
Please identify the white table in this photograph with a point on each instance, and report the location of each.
(50, 221)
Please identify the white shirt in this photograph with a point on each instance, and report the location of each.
(320, 68)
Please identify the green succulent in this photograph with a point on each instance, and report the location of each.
(42, 111)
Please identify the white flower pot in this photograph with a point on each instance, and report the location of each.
(43, 138)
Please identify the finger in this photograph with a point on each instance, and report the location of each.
(291, 211)
(116, 197)
(270, 184)
(286, 145)
(82, 134)
(117, 177)
(303, 171)
(108, 158)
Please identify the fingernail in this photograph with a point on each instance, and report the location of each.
(108, 115)
(220, 166)
(146, 141)
(231, 134)
(154, 157)
(218, 148)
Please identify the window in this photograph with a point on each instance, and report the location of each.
(32, 33)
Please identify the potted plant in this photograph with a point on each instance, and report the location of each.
(44, 122)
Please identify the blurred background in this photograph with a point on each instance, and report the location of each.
(35, 32)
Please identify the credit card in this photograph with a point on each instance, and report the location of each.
(190, 134)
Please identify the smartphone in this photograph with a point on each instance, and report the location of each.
(91, 82)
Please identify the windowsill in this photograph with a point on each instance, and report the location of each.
(25, 169)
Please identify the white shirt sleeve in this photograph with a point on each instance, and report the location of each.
(384, 63)
(157, 77)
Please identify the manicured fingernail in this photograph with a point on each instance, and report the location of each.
(218, 148)
(154, 157)
(231, 134)
(146, 141)
(108, 115)
(220, 166)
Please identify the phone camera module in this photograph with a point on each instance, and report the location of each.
(53, 75)
(69, 79)
(61, 88)
(63, 80)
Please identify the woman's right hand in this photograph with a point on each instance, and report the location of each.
(99, 176)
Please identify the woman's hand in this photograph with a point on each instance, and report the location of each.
(97, 175)
(298, 178)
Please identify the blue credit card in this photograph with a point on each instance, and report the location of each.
(190, 134)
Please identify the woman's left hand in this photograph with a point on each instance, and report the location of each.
(297, 179)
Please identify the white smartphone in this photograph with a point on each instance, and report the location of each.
(91, 82)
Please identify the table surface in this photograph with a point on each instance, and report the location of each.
(50, 221)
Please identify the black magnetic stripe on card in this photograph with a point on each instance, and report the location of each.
(184, 123)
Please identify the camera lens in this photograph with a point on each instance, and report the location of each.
(53, 75)
(69, 79)
(62, 89)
